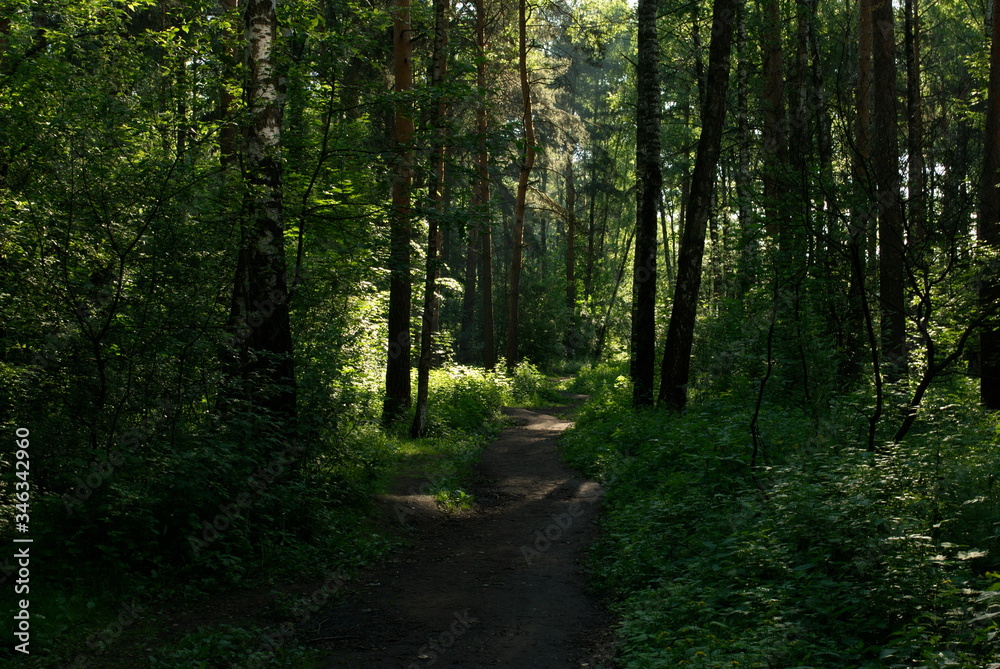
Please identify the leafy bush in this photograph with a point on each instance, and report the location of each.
(593, 379)
(467, 399)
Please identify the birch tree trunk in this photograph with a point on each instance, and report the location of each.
(260, 291)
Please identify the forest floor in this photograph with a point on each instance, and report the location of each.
(497, 585)
(500, 585)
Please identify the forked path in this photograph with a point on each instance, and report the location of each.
(501, 586)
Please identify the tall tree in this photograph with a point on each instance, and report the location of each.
(989, 227)
(775, 137)
(862, 154)
(439, 68)
(676, 367)
(397, 371)
(916, 183)
(570, 250)
(524, 174)
(260, 291)
(482, 191)
(649, 181)
(746, 260)
(885, 163)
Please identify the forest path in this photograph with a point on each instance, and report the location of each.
(485, 588)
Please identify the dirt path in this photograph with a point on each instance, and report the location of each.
(500, 586)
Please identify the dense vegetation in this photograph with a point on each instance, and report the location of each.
(215, 214)
(825, 555)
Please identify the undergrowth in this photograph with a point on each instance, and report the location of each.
(246, 517)
(825, 556)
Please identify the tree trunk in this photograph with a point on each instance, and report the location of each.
(442, 12)
(793, 235)
(588, 283)
(668, 251)
(397, 371)
(469, 285)
(481, 192)
(602, 331)
(747, 258)
(649, 181)
(570, 253)
(916, 178)
(260, 294)
(860, 231)
(892, 275)
(989, 229)
(517, 238)
(680, 333)
(775, 137)
(228, 131)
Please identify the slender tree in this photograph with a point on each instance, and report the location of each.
(524, 174)
(680, 332)
(442, 15)
(570, 250)
(481, 191)
(885, 162)
(775, 136)
(862, 154)
(397, 371)
(229, 130)
(916, 183)
(746, 260)
(649, 181)
(466, 326)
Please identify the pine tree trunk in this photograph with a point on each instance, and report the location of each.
(892, 274)
(680, 333)
(397, 372)
(649, 181)
(517, 237)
